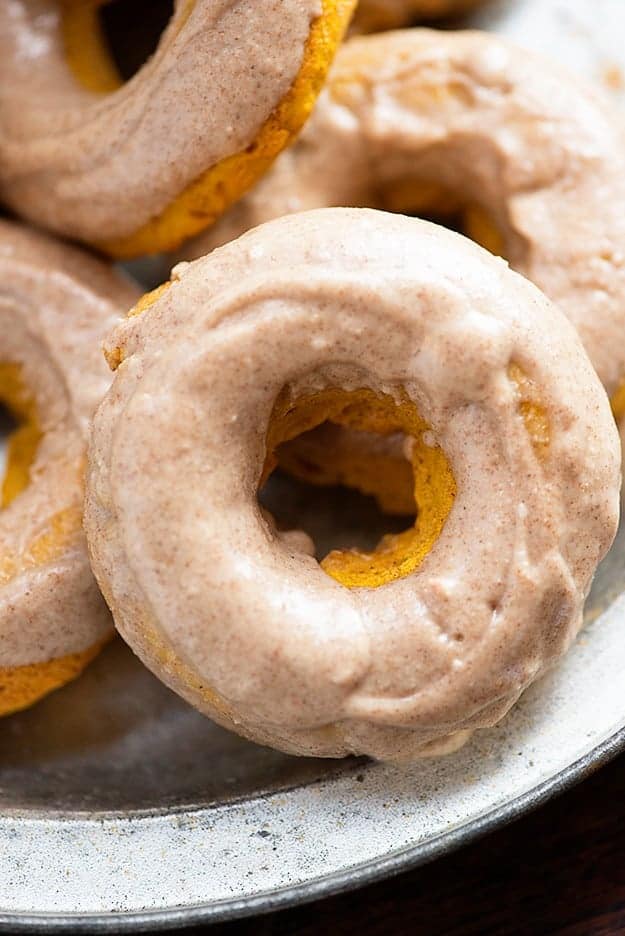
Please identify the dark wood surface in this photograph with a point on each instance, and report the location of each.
(560, 870)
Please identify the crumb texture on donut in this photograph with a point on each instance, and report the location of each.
(411, 330)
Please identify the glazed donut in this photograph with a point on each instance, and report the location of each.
(138, 168)
(431, 123)
(55, 306)
(462, 124)
(408, 327)
(375, 15)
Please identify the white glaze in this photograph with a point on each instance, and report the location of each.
(497, 126)
(56, 305)
(185, 559)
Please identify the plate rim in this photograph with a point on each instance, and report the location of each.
(338, 882)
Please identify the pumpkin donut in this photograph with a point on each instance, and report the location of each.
(408, 328)
(531, 164)
(55, 306)
(375, 15)
(137, 167)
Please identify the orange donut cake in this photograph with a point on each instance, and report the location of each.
(136, 167)
(383, 324)
(55, 306)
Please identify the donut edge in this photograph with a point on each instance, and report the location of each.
(209, 196)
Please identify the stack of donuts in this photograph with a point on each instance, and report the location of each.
(420, 297)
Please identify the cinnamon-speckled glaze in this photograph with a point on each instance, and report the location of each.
(494, 127)
(241, 620)
(136, 167)
(56, 304)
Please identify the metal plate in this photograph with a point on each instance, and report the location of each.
(120, 807)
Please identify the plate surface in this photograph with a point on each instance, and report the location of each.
(120, 807)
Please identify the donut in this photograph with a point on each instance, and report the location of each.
(374, 15)
(464, 124)
(385, 324)
(55, 306)
(137, 167)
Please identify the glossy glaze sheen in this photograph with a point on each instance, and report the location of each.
(56, 305)
(494, 126)
(259, 637)
(102, 166)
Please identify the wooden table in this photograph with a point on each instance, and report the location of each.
(558, 871)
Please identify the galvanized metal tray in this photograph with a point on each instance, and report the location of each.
(121, 808)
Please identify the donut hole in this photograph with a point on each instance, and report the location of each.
(375, 470)
(108, 41)
(19, 434)
(334, 516)
(132, 30)
(434, 202)
(376, 465)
